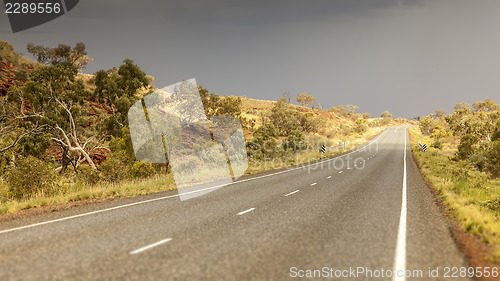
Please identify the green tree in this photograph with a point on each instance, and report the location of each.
(457, 119)
(106, 88)
(339, 110)
(439, 114)
(480, 122)
(305, 99)
(493, 159)
(466, 146)
(295, 141)
(438, 132)
(34, 145)
(119, 89)
(263, 143)
(30, 176)
(386, 114)
(77, 55)
(15, 124)
(427, 125)
(309, 121)
(496, 133)
(485, 106)
(284, 117)
(56, 99)
(361, 126)
(351, 111)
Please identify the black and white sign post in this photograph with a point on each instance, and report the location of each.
(423, 147)
(322, 150)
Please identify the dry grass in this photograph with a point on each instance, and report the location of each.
(471, 196)
(305, 157)
(72, 192)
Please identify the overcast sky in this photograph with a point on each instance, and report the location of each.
(408, 57)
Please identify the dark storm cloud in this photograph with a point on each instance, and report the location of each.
(230, 11)
(408, 57)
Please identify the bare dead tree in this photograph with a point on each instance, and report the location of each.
(70, 143)
(9, 126)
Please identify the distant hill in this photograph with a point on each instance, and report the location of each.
(13, 67)
(335, 123)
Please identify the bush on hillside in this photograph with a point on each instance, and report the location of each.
(466, 146)
(493, 159)
(437, 144)
(30, 176)
(87, 175)
(263, 144)
(141, 170)
(295, 141)
(115, 168)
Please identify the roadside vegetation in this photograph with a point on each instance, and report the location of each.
(462, 163)
(64, 135)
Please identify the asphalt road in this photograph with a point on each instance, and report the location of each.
(364, 210)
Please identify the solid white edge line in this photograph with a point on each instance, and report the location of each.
(150, 246)
(293, 192)
(400, 256)
(246, 211)
(103, 210)
(177, 195)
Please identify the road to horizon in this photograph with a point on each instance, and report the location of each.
(368, 209)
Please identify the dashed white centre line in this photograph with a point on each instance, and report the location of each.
(313, 184)
(246, 211)
(150, 246)
(400, 256)
(177, 195)
(340, 172)
(329, 177)
(293, 192)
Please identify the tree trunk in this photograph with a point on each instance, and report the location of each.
(87, 157)
(64, 161)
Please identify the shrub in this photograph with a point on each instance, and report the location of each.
(479, 161)
(115, 168)
(88, 175)
(427, 125)
(386, 114)
(142, 170)
(466, 146)
(438, 132)
(30, 176)
(493, 159)
(437, 144)
(295, 141)
(263, 144)
(34, 145)
(496, 133)
(189, 164)
(284, 117)
(346, 130)
(361, 126)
